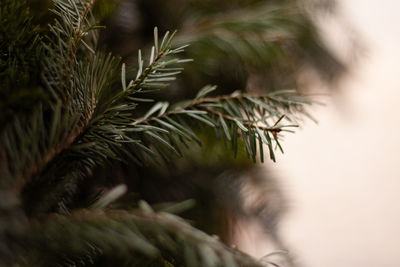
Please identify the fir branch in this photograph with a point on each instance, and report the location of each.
(140, 237)
(72, 25)
(154, 75)
(254, 34)
(113, 115)
(104, 127)
(254, 118)
(86, 122)
(268, 38)
(246, 123)
(200, 104)
(73, 104)
(78, 34)
(94, 77)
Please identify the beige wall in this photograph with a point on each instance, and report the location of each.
(343, 175)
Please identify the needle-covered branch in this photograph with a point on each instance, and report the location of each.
(136, 238)
(88, 118)
(257, 119)
(72, 83)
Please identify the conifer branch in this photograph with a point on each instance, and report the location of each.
(252, 115)
(85, 120)
(200, 104)
(55, 151)
(149, 237)
(78, 33)
(73, 24)
(246, 123)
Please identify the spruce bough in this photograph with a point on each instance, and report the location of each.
(85, 115)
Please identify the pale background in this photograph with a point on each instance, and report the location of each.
(342, 176)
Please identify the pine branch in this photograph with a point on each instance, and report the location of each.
(68, 32)
(102, 133)
(114, 131)
(261, 39)
(139, 237)
(78, 34)
(86, 122)
(74, 82)
(160, 70)
(254, 116)
(202, 104)
(113, 114)
(254, 34)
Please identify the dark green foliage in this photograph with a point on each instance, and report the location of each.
(70, 109)
(255, 45)
(20, 53)
(134, 238)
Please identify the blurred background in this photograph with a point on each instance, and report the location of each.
(342, 175)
